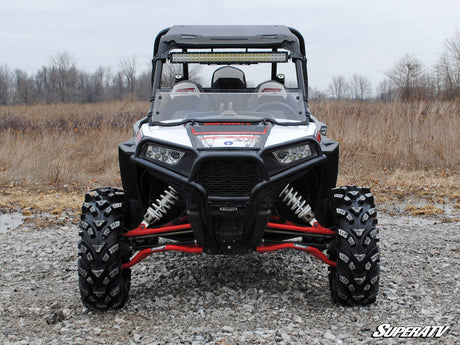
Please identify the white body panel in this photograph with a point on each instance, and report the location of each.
(281, 134)
(278, 135)
(174, 134)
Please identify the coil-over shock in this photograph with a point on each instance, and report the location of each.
(296, 203)
(160, 206)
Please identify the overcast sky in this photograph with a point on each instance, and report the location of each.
(343, 37)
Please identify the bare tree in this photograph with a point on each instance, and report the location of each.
(143, 89)
(65, 75)
(453, 46)
(128, 70)
(5, 85)
(117, 88)
(94, 85)
(447, 70)
(315, 94)
(24, 87)
(408, 78)
(45, 90)
(385, 91)
(168, 74)
(339, 87)
(170, 71)
(360, 87)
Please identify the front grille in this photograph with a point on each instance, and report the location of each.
(228, 177)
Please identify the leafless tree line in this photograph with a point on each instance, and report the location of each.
(62, 82)
(358, 87)
(409, 79)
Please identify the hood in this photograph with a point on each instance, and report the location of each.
(227, 135)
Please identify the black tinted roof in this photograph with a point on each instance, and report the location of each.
(220, 36)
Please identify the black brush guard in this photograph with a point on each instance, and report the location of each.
(228, 198)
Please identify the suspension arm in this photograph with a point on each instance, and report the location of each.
(142, 230)
(195, 249)
(264, 248)
(187, 248)
(316, 229)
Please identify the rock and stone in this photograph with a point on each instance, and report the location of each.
(273, 298)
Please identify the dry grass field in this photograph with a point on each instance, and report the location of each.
(398, 149)
(50, 154)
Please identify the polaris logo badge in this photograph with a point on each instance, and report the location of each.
(387, 331)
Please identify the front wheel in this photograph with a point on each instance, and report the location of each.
(102, 249)
(355, 280)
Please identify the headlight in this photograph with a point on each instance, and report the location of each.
(163, 154)
(293, 153)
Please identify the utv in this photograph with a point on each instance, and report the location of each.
(228, 160)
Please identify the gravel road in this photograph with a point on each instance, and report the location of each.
(275, 298)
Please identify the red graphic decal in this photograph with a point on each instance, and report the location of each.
(224, 133)
(226, 123)
(249, 137)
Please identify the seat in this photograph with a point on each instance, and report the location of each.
(228, 78)
(271, 88)
(186, 88)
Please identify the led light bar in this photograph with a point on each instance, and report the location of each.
(228, 57)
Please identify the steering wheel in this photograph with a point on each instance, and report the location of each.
(279, 106)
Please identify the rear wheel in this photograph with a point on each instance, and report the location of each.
(102, 249)
(355, 280)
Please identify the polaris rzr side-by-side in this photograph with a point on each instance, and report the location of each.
(228, 160)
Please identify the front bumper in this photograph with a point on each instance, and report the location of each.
(223, 220)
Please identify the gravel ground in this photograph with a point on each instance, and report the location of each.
(275, 298)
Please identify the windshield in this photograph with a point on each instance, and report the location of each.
(188, 103)
(227, 85)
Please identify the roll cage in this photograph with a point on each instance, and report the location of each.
(189, 37)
